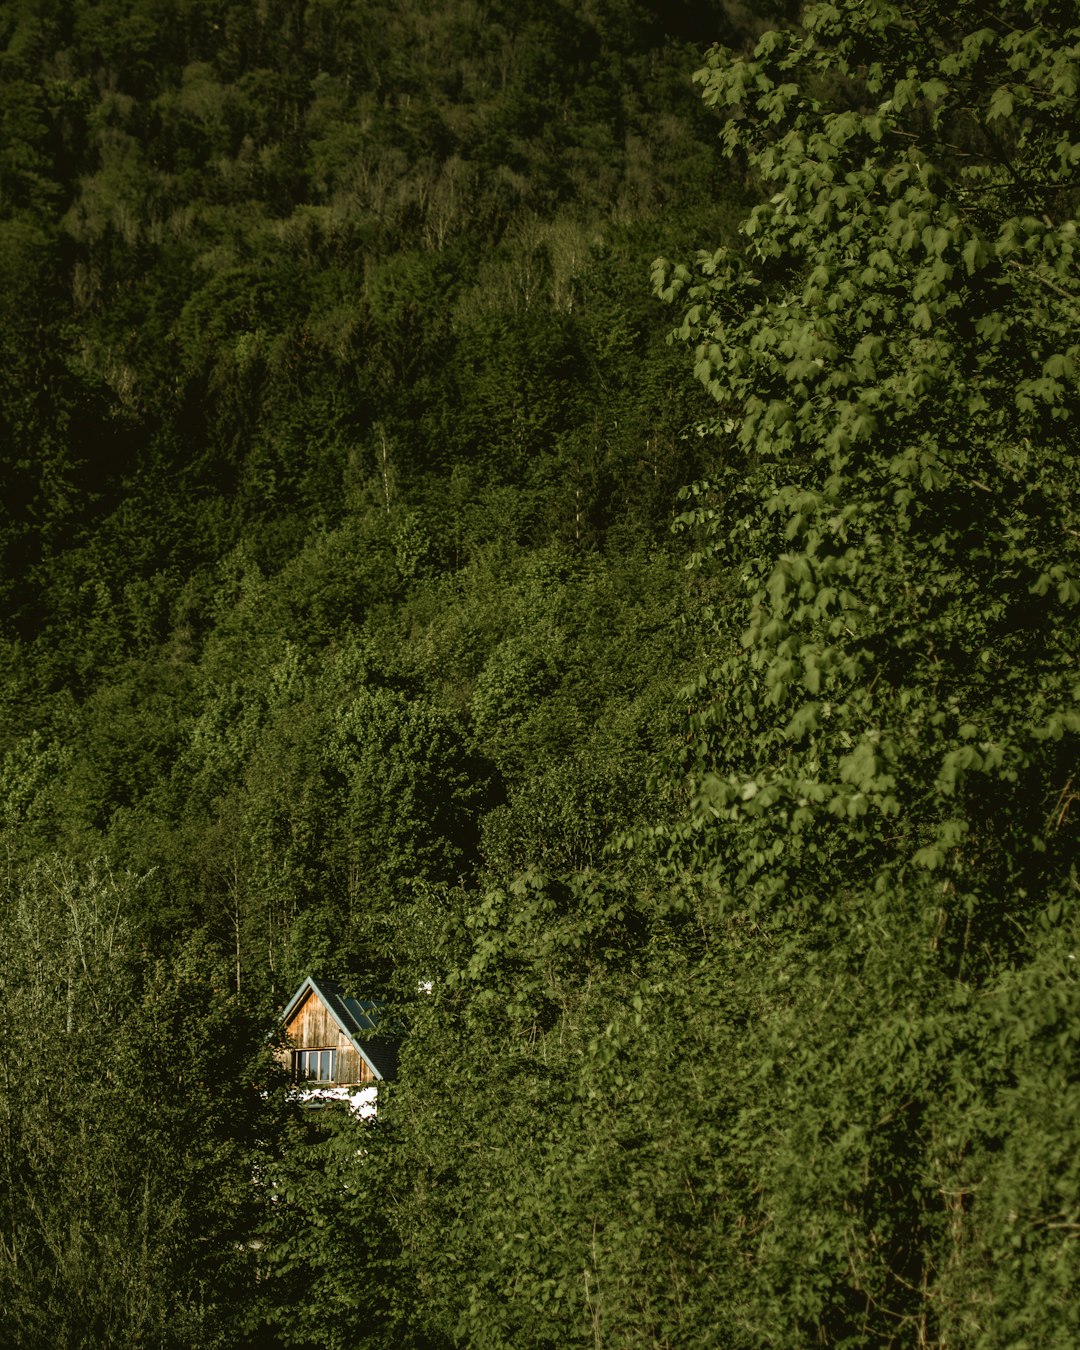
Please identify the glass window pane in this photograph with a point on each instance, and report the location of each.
(318, 1065)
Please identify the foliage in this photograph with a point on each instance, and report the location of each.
(330, 1264)
(133, 1106)
(882, 752)
(341, 609)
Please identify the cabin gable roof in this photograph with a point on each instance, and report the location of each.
(355, 1018)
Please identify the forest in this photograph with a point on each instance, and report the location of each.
(563, 518)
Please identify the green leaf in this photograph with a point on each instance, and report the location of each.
(1001, 104)
(975, 255)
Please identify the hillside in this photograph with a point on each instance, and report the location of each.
(585, 554)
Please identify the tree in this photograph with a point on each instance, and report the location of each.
(881, 754)
(135, 1101)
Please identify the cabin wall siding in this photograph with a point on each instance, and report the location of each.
(311, 1027)
(352, 1069)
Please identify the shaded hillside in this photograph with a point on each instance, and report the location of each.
(677, 733)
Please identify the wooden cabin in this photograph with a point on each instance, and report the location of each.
(332, 1040)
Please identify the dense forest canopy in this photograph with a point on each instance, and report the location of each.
(675, 730)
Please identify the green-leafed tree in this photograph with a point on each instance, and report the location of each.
(134, 1110)
(779, 1075)
(882, 754)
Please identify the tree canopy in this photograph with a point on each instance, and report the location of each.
(675, 730)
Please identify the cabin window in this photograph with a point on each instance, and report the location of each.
(319, 1066)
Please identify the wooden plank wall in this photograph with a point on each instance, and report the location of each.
(312, 1028)
(352, 1069)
